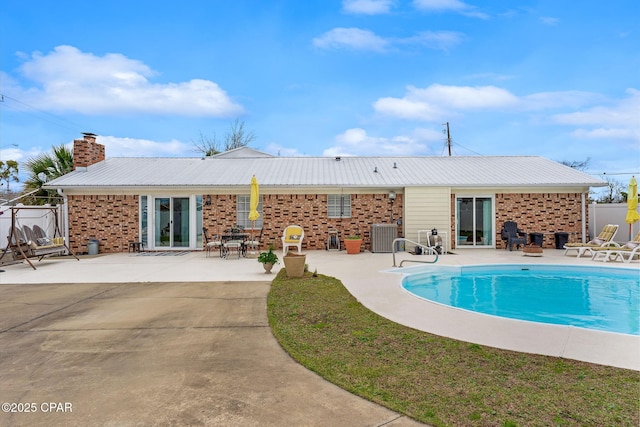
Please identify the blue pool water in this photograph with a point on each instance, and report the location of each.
(606, 299)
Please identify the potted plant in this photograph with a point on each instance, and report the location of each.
(268, 259)
(353, 244)
(294, 264)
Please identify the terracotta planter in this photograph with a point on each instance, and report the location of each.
(353, 245)
(294, 264)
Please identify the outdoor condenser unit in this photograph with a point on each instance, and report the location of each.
(382, 237)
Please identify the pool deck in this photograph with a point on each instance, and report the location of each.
(373, 280)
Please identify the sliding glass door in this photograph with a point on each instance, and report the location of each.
(171, 222)
(474, 221)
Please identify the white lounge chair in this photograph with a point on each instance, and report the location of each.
(604, 238)
(625, 252)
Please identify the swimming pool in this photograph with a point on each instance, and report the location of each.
(606, 299)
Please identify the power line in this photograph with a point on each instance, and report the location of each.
(451, 142)
(49, 117)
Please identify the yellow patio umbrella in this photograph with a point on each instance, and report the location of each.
(253, 201)
(632, 204)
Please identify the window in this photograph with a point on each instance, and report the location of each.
(339, 205)
(243, 212)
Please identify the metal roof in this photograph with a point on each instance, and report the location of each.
(391, 172)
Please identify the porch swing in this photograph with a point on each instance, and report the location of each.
(25, 242)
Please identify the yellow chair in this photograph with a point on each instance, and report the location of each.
(292, 236)
(604, 238)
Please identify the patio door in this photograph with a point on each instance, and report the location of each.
(474, 221)
(171, 222)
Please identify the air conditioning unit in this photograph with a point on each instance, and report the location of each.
(382, 237)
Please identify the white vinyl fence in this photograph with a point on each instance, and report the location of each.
(611, 213)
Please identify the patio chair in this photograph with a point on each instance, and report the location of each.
(602, 240)
(512, 235)
(292, 236)
(215, 243)
(612, 251)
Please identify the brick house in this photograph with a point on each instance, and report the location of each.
(165, 202)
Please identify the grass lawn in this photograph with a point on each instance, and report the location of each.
(436, 380)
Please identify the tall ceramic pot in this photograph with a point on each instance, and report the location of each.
(294, 264)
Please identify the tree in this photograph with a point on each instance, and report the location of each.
(614, 192)
(207, 146)
(580, 165)
(44, 168)
(236, 137)
(9, 172)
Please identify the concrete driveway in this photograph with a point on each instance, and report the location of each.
(139, 354)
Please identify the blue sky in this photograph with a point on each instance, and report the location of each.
(554, 78)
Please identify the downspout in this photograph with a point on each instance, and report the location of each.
(65, 215)
(584, 216)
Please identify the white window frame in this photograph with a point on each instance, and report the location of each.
(242, 211)
(339, 205)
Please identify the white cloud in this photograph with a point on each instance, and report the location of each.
(622, 113)
(606, 133)
(359, 39)
(367, 7)
(409, 109)
(619, 120)
(439, 101)
(132, 147)
(353, 38)
(442, 40)
(560, 99)
(71, 80)
(548, 20)
(449, 5)
(356, 142)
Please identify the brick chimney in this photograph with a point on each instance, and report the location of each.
(87, 151)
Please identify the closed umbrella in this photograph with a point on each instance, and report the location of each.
(253, 205)
(632, 204)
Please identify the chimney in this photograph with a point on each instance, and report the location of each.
(87, 151)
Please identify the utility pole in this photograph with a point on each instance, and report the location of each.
(448, 139)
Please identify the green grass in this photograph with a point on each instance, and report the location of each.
(436, 380)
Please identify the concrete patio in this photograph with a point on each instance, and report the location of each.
(371, 278)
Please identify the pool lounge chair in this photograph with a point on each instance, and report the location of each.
(604, 239)
(614, 251)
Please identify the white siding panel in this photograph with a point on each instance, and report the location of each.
(426, 208)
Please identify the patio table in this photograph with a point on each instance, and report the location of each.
(234, 241)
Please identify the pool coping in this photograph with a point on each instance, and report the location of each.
(381, 291)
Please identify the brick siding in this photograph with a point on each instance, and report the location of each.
(308, 211)
(87, 151)
(541, 213)
(112, 220)
(537, 213)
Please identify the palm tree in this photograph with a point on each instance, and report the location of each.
(44, 168)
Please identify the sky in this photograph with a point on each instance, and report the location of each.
(552, 78)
